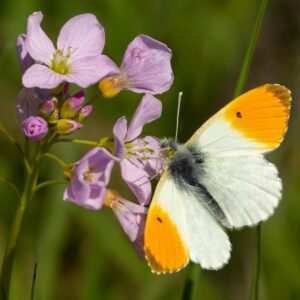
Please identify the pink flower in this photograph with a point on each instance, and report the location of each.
(146, 68)
(28, 99)
(35, 128)
(77, 58)
(132, 218)
(89, 182)
(139, 158)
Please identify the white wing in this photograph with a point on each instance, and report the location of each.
(247, 188)
(208, 244)
(199, 232)
(230, 146)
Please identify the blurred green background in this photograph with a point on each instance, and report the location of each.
(85, 255)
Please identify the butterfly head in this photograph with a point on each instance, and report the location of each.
(168, 148)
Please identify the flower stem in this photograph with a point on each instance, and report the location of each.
(190, 286)
(250, 51)
(49, 182)
(78, 141)
(55, 158)
(256, 271)
(6, 270)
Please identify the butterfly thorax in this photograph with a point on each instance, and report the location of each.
(186, 164)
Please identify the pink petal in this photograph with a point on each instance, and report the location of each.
(42, 77)
(119, 131)
(27, 103)
(89, 70)
(148, 110)
(24, 59)
(137, 180)
(38, 44)
(84, 34)
(147, 64)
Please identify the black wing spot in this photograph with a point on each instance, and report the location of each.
(159, 219)
(239, 114)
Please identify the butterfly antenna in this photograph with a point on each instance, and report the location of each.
(177, 117)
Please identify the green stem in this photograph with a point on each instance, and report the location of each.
(55, 158)
(190, 286)
(250, 51)
(256, 271)
(6, 270)
(49, 182)
(238, 90)
(78, 141)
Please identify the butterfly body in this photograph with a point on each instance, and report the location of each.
(218, 179)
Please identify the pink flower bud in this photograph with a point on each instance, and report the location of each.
(35, 128)
(48, 106)
(65, 126)
(84, 113)
(72, 106)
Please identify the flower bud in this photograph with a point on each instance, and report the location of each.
(65, 126)
(48, 106)
(53, 118)
(112, 86)
(72, 106)
(35, 128)
(84, 113)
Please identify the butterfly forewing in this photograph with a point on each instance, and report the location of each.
(255, 122)
(245, 185)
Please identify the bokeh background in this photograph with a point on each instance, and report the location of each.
(82, 254)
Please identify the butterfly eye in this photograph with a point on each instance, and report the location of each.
(239, 114)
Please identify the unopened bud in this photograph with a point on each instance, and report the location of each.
(72, 106)
(48, 106)
(84, 113)
(65, 126)
(53, 118)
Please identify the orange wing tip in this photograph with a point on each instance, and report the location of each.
(157, 268)
(261, 114)
(281, 92)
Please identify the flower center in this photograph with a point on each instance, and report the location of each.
(60, 62)
(140, 149)
(89, 175)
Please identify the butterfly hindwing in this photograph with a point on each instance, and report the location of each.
(180, 227)
(166, 232)
(247, 188)
(208, 243)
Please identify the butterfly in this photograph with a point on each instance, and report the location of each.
(218, 180)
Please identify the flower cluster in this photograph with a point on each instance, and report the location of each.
(47, 111)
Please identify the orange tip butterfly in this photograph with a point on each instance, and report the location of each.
(218, 179)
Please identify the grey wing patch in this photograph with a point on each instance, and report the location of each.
(186, 168)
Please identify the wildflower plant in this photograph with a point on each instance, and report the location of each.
(47, 112)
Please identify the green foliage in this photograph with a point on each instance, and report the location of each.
(84, 255)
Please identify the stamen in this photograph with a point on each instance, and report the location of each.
(60, 62)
